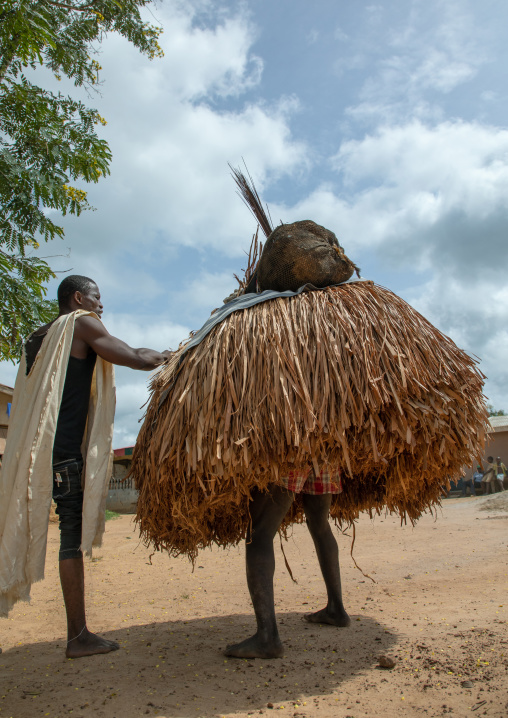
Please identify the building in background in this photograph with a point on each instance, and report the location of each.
(122, 496)
(6, 393)
(497, 444)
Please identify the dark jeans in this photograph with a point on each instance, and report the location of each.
(465, 484)
(68, 496)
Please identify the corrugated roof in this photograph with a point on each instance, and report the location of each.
(6, 389)
(499, 423)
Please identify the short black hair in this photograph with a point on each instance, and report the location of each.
(70, 285)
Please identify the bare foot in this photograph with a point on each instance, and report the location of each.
(88, 644)
(333, 618)
(254, 647)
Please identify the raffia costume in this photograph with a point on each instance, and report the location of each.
(346, 377)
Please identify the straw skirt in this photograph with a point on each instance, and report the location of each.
(347, 377)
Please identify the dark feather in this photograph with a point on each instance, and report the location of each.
(249, 194)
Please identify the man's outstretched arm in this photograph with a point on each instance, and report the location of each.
(92, 333)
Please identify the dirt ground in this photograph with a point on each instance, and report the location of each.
(438, 608)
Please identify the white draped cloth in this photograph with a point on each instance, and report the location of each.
(26, 477)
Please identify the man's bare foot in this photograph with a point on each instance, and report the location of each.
(88, 644)
(333, 618)
(254, 647)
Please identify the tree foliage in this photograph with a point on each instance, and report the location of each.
(49, 140)
(495, 412)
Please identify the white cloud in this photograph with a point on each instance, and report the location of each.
(131, 396)
(8, 372)
(206, 53)
(422, 193)
(147, 331)
(208, 290)
(474, 313)
(432, 192)
(172, 135)
(426, 51)
(200, 194)
(206, 60)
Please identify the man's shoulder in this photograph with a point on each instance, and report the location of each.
(87, 319)
(88, 325)
(41, 331)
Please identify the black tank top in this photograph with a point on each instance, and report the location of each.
(33, 345)
(74, 408)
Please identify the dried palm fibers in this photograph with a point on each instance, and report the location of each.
(349, 375)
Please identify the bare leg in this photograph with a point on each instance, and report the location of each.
(80, 642)
(267, 511)
(317, 509)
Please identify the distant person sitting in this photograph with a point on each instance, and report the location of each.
(477, 478)
(468, 483)
(500, 473)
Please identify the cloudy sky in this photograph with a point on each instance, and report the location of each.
(386, 122)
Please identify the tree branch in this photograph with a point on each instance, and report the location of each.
(9, 55)
(66, 6)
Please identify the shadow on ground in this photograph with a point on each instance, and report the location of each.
(177, 669)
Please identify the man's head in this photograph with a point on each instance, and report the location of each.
(498, 459)
(490, 459)
(78, 292)
(478, 468)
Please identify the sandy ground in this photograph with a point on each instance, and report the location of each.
(438, 608)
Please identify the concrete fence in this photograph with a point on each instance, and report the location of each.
(122, 496)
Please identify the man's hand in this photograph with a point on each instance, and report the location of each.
(167, 354)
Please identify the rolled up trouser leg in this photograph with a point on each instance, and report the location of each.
(68, 496)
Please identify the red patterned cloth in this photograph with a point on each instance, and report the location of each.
(305, 481)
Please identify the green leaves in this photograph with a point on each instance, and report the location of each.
(22, 301)
(49, 141)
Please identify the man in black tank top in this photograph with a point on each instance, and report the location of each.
(89, 340)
